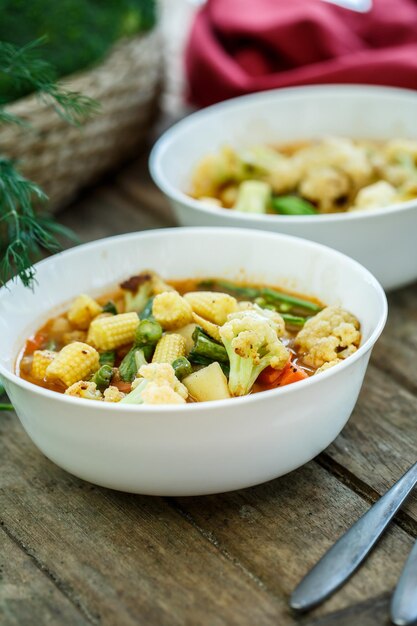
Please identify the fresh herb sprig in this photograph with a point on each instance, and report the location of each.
(24, 231)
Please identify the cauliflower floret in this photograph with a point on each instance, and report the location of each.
(157, 385)
(84, 389)
(327, 366)
(280, 171)
(325, 185)
(399, 149)
(379, 194)
(330, 335)
(273, 317)
(252, 343)
(340, 153)
(161, 394)
(112, 394)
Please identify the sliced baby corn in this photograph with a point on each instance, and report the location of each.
(76, 361)
(82, 311)
(108, 333)
(41, 360)
(214, 307)
(171, 310)
(169, 348)
(211, 329)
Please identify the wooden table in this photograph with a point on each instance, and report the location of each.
(75, 554)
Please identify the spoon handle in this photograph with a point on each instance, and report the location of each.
(345, 556)
(404, 601)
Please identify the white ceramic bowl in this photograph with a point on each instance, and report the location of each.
(197, 448)
(383, 239)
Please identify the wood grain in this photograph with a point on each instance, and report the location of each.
(27, 595)
(228, 559)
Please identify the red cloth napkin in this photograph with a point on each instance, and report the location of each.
(242, 46)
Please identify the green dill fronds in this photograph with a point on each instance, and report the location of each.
(24, 67)
(23, 233)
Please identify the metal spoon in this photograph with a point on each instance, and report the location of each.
(404, 601)
(345, 556)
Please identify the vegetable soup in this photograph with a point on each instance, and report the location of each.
(158, 342)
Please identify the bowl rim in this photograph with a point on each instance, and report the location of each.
(215, 404)
(326, 90)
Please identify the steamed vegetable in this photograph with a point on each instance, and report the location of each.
(292, 205)
(268, 295)
(137, 290)
(182, 367)
(110, 307)
(254, 196)
(208, 384)
(103, 377)
(157, 385)
(206, 347)
(252, 344)
(107, 358)
(147, 335)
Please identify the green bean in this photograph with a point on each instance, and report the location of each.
(103, 377)
(273, 296)
(293, 320)
(108, 358)
(202, 360)
(238, 290)
(148, 332)
(110, 307)
(292, 205)
(6, 407)
(182, 367)
(140, 359)
(206, 347)
(146, 313)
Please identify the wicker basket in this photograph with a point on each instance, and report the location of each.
(62, 158)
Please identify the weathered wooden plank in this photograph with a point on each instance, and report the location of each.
(27, 596)
(123, 559)
(234, 557)
(396, 350)
(106, 211)
(374, 611)
(279, 530)
(135, 182)
(379, 442)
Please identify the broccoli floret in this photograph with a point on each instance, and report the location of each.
(252, 344)
(157, 385)
(254, 196)
(137, 290)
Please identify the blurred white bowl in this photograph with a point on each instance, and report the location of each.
(382, 239)
(197, 448)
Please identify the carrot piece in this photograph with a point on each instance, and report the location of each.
(122, 386)
(35, 342)
(269, 376)
(291, 374)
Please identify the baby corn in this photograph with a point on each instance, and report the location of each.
(214, 307)
(211, 329)
(41, 360)
(108, 333)
(171, 310)
(169, 348)
(82, 311)
(76, 361)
